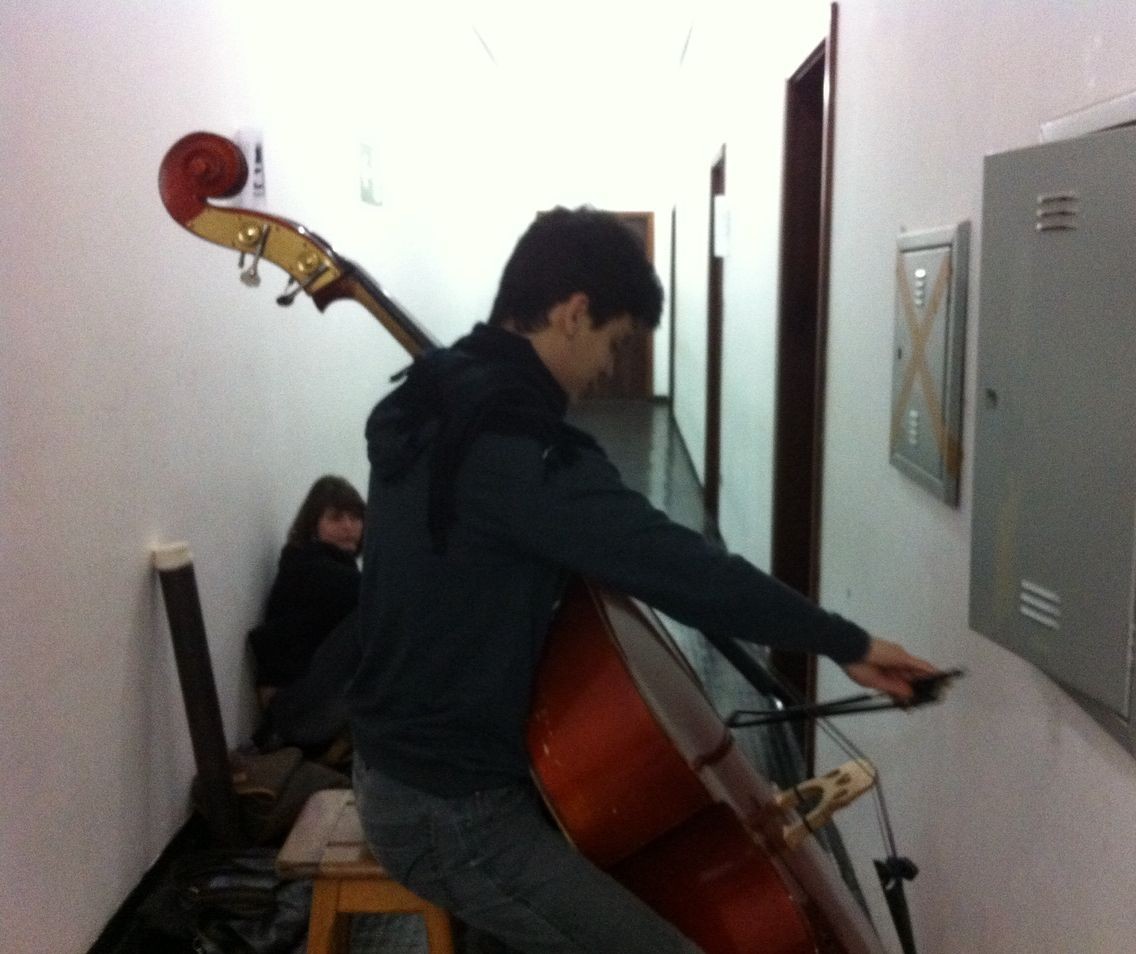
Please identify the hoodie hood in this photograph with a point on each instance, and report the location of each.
(490, 380)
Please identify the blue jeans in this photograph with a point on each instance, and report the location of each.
(493, 860)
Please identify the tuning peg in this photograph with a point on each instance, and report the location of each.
(287, 297)
(249, 276)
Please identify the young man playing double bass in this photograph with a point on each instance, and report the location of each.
(482, 501)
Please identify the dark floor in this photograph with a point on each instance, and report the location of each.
(642, 441)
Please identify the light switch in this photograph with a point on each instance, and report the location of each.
(251, 142)
(370, 191)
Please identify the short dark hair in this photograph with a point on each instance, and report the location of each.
(327, 493)
(578, 250)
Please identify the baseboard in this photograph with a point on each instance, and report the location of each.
(192, 835)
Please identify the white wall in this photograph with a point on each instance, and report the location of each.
(147, 396)
(1008, 794)
(1014, 803)
(732, 95)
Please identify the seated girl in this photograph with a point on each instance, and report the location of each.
(316, 585)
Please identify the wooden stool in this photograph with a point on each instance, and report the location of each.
(327, 845)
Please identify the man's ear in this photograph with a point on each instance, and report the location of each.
(576, 313)
(567, 317)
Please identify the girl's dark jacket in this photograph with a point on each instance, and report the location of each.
(316, 586)
(482, 502)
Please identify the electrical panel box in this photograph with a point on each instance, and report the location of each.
(1054, 518)
(927, 360)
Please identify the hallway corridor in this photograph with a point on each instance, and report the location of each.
(642, 441)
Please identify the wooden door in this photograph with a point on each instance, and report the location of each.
(632, 376)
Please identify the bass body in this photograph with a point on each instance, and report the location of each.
(645, 779)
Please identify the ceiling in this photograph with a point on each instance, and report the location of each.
(639, 37)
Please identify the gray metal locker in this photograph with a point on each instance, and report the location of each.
(1054, 517)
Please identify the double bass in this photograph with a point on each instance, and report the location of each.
(634, 763)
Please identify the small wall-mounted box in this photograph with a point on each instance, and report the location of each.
(927, 365)
(1054, 519)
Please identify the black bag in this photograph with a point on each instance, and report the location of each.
(235, 903)
(222, 901)
(271, 789)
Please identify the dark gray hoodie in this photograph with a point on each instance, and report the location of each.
(482, 502)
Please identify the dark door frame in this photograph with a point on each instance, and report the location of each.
(672, 310)
(802, 334)
(712, 473)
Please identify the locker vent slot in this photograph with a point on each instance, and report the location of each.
(1058, 211)
(1039, 604)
